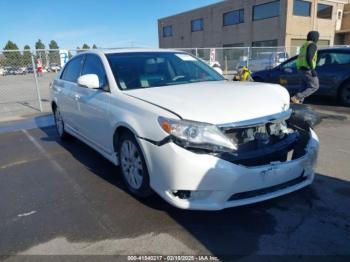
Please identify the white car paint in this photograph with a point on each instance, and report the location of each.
(245, 100)
(94, 115)
(89, 81)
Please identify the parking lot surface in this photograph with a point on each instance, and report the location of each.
(64, 198)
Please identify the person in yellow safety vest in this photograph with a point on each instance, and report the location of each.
(306, 65)
(243, 75)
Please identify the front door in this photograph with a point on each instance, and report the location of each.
(289, 76)
(93, 106)
(67, 86)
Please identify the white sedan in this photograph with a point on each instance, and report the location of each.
(178, 128)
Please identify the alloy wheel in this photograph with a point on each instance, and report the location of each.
(131, 164)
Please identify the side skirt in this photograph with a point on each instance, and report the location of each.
(111, 157)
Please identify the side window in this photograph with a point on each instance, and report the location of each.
(334, 59)
(342, 58)
(72, 70)
(291, 64)
(324, 59)
(93, 65)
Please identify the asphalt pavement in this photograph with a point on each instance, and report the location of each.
(65, 199)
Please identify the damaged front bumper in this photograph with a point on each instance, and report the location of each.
(203, 181)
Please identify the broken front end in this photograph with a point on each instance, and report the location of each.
(278, 138)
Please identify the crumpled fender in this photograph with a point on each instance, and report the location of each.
(304, 116)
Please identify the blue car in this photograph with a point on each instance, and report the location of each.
(333, 69)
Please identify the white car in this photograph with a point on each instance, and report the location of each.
(55, 68)
(216, 65)
(178, 128)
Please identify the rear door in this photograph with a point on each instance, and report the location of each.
(67, 96)
(93, 106)
(332, 69)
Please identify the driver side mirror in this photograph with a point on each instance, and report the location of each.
(89, 81)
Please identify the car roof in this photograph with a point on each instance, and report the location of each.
(325, 49)
(131, 50)
(336, 49)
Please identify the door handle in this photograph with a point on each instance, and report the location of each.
(76, 97)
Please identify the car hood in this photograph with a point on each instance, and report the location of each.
(217, 102)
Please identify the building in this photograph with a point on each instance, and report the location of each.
(257, 23)
(343, 34)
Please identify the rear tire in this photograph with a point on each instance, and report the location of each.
(133, 166)
(59, 124)
(344, 94)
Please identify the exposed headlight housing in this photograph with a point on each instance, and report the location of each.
(197, 135)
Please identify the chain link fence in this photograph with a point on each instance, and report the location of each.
(231, 59)
(25, 75)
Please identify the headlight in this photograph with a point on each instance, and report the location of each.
(197, 135)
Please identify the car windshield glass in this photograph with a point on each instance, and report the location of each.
(153, 69)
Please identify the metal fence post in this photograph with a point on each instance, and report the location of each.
(248, 56)
(36, 83)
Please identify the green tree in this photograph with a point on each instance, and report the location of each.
(12, 57)
(40, 53)
(85, 46)
(53, 45)
(54, 54)
(27, 56)
(39, 45)
(94, 46)
(10, 46)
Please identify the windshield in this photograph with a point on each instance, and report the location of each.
(153, 69)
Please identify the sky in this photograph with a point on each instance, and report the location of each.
(106, 23)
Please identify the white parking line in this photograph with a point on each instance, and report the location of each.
(16, 163)
(76, 186)
(43, 151)
(27, 214)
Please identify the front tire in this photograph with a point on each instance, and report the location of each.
(133, 166)
(59, 124)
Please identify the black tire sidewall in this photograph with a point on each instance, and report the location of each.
(64, 135)
(144, 190)
(341, 94)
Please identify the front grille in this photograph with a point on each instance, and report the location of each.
(265, 155)
(264, 191)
